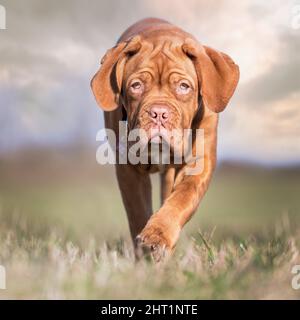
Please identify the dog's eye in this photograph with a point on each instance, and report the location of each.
(136, 86)
(183, 87)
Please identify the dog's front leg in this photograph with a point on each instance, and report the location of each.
(136, 194)
(162, 230)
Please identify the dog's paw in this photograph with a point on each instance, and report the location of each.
(157, 239)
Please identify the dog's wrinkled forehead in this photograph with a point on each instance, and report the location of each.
(160, 58)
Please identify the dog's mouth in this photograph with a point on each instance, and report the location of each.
(157, 143)
(159, 119)
(159, 135)
(156, 132)
(154, 135)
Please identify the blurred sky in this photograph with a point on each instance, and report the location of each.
(51, 49)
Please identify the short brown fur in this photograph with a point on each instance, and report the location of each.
(160, 53)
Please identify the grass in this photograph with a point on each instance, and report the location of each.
(42, 263)
(64, 234)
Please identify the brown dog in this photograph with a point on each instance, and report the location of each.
(158, 76)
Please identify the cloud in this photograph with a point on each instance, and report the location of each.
(266, 135)
(282, 79)
(50, 50)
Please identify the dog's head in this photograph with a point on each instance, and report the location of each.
(160, 83)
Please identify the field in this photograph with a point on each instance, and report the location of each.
(64, 234)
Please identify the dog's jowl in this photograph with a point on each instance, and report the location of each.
(161, 80)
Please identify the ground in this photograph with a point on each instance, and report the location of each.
(64, 234)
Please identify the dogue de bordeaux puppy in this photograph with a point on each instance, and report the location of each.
(160, 77)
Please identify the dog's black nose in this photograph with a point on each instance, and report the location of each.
(159, 114)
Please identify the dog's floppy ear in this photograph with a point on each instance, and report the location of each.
(107, 82)
(217, 74)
